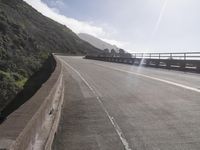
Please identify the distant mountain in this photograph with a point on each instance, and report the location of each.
(97, 42)
(26, 40)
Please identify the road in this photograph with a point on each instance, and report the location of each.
(110, 106)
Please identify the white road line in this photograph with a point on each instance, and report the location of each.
(112, 120)
(153, 78)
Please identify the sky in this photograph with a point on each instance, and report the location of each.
(134, 25)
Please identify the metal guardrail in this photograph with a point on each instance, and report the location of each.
(182, 61)
(178, 56)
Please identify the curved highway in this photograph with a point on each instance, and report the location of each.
(110, 106)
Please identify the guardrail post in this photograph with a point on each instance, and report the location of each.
(183, 64)
(168, 64)
(171, 56)
(147, 62)
(185, 56)
(140, 62)
(198, 67)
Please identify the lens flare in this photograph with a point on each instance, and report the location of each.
(159, 18)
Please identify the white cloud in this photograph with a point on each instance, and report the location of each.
(75, 25)
(114, 42)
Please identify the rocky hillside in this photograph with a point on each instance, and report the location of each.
(26, 40)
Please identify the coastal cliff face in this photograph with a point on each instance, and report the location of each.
(27, 38)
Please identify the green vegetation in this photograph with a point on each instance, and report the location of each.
(27, 38)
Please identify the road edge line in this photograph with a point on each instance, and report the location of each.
(112, 120)
(154, 78)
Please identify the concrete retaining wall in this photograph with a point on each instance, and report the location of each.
(34, 124)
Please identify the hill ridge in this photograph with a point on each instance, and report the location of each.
(27, 38)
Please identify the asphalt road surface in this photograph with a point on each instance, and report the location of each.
(110, 106)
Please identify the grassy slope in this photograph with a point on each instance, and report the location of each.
(26, 40)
